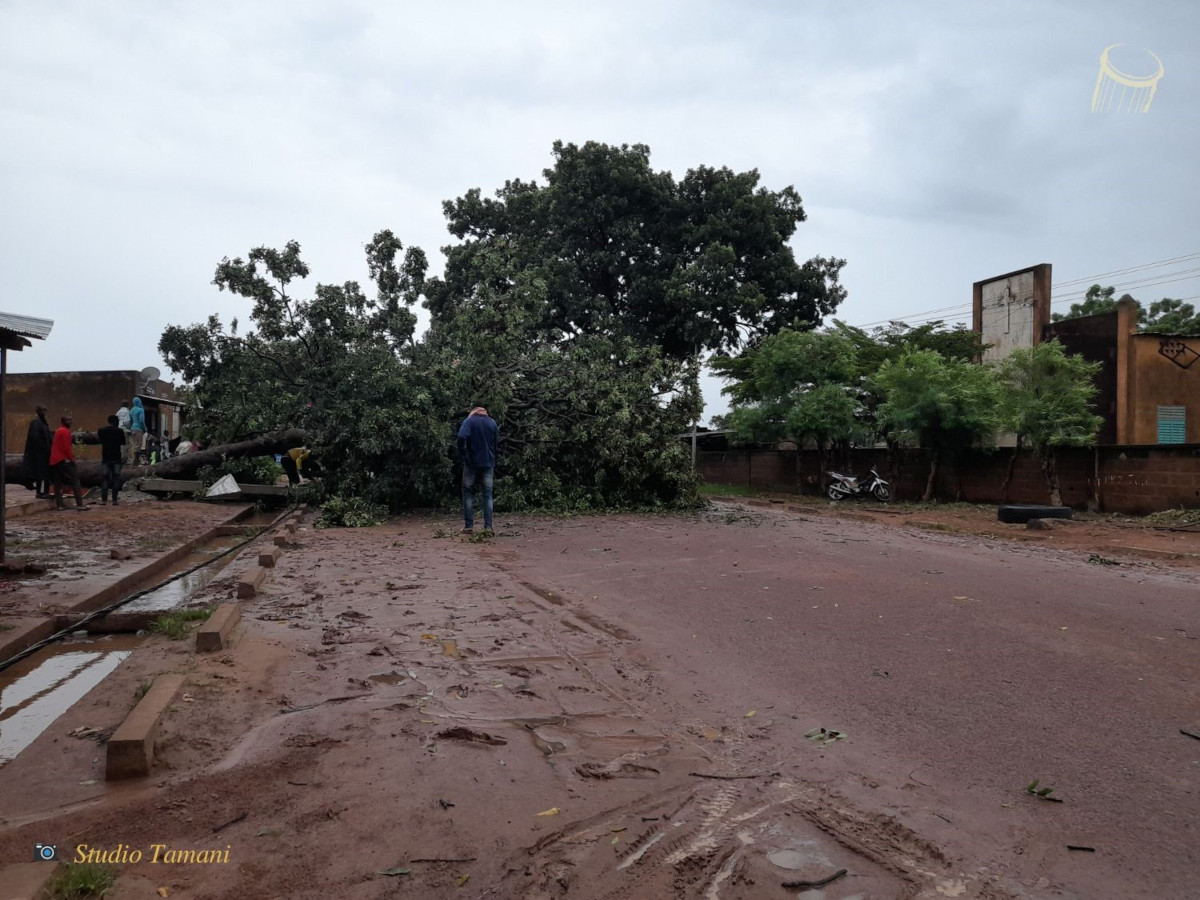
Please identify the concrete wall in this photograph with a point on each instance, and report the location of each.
(1134, 480)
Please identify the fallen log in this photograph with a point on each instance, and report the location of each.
(90, 470)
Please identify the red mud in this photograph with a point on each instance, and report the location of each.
(399, 700)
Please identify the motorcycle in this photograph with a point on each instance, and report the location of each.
(843, 486)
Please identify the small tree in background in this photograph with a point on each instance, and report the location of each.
(1046, 401)
(796, 386)
(943, 404)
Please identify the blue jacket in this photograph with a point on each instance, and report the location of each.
(477, 439)
(137, 416)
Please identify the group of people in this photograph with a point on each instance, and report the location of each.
(50, 456)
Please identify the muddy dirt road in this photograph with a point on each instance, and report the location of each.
(632, 707)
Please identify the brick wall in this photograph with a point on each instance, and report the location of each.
(1134, 480)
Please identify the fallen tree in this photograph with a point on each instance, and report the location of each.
(185, 466)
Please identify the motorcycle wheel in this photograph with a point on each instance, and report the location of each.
(882, 493)
(833, 492)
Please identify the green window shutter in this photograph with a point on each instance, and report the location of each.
(1172, 424)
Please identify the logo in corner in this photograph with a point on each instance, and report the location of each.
(1119, 91)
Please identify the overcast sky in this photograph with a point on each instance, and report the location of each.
(934, 144)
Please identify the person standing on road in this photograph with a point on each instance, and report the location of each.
(137, 428)
(477, 446)
(112, 456)
(62, 466)
(37, 452)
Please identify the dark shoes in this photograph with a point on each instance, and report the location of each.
(467, 531)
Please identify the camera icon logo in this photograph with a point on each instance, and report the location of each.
(45, 852)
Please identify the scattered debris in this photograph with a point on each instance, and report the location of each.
(396, 870)
(443, 859)
(1041, 793)
(238, 818)
(462, 733)
(1099, 560)
(820, 883)
(1081, 847)
(733, 777)
(751, 714)
(824, 735)
(86, 731)
(461, 880)
(552, 811)
(1193, 731)
(444, 804)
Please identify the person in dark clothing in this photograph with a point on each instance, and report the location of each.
(37, 452)
(477, 444)
(112, 456)
(62, 466)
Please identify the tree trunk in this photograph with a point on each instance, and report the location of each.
(185, 466)
(933, 467)
(1051, 472)
(1008, 476)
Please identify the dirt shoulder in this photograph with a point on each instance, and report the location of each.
(1109, 536)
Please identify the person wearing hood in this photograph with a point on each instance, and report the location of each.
(137, 428)
(37, 452)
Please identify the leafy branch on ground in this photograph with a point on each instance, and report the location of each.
(1041, 793)
(350, 512)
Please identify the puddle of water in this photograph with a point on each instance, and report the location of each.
(388, 677)
(37, 690)
(177, 592)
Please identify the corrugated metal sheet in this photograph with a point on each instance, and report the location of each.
(26, 326)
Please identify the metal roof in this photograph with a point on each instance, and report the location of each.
(26, 326)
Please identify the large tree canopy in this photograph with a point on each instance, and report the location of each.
(617, 248)
(587, 420)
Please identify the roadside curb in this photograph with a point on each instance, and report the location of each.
(130, 751)
(214, 634)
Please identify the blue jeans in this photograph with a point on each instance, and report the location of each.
(468, 489)
(110, 476)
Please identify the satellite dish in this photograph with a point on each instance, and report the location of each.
(149, 374)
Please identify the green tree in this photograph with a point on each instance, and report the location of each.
(333, 363)
(1173, 316)
(1166, 315)
(587, 420)
(1097, 300)
(616, 247)
(943, 404)
(796, 386)
(1047, 402)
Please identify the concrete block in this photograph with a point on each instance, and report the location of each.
(214, 634)
(24, 880)
(281, 540)
(290, 527)
(268, 558)
(131, 748)
(249, 583)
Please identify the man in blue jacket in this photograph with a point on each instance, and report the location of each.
(477, 445)
(137, 429)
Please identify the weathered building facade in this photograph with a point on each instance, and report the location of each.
(1149, 383)
(89, 398)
